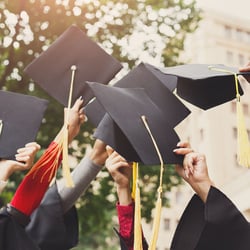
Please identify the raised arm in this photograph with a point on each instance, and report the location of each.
(194, 170)
(33, 187)
(24, 161)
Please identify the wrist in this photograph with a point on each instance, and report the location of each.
(124, 195)
(99, 154)
(202, 189)
(5, 173)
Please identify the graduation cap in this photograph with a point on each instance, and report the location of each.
(72, 59)
(158, 87)
(148, 130)
(20, 119)
(126, 106)
(209, 85)
(205, 85)
(62, 70)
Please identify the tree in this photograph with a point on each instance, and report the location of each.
(130, 30)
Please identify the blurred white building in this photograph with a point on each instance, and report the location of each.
(223, 39)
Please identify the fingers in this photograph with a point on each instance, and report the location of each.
(78, 104)
(115, 161)
(189, 163)
(30, 149)
(25, 156)
(109, 150)
(183, 144)
(183, 148)
(245, 68)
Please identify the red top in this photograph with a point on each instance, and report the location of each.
(31, 190)
(126, 222)
(126, 225)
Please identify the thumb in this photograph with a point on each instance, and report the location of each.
(109, 150)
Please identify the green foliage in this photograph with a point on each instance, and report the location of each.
(27, 27)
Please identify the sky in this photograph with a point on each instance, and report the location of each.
(237, 8)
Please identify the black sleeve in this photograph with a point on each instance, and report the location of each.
(226, 227)
(190, 226)
(13, 235)
(123, 245)
(215, 225)
(49, 227)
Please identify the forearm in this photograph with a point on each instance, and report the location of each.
(202, 189)
(124, 196)
(82, 176)
(4, 176)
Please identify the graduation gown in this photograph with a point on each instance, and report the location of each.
(49, 227)
(215, 225)
(12, 232)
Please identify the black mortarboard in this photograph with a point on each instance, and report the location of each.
(126, 106)
(209, 85)
(20, 117)
(154, 82)
(205, 85)
(52, 70)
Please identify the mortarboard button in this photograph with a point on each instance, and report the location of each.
(154, 82)
(72, 56)
(126, 106)
(21, 117)
(205, 85)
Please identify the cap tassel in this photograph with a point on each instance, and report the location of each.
(243, 147)
(137, 215)
(52, 156)
(134, 175)
(158, 206)
(243, 154)
(65, 161)
(61, 146)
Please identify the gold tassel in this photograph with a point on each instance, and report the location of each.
(158, 206)
(61, 147)
(243, 147)
(243, 154)
(137, 215)
(65, 161)
(135, 164)
(156, 224)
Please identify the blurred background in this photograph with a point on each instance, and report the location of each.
(162, 33)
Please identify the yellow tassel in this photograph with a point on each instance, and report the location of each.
(243, 147)
(243, 155)
(137, 215)
(157, 217)
(61, 147)
(65, 161)
(156, 224)
(135, 164)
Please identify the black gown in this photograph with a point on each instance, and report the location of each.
(12, 231)
(215, 225)
(49, 227)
